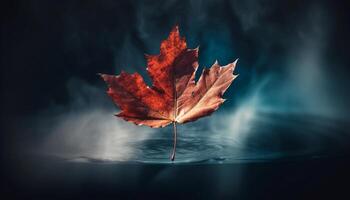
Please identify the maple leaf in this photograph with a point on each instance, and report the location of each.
(174, 97)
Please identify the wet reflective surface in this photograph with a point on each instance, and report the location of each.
(270, 137)
(279, 157)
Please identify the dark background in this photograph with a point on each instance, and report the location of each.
(51, 51)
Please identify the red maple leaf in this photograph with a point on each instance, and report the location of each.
(174, 97)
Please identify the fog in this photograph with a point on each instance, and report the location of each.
(295, 81)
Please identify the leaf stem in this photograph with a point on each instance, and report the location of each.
(172, 158)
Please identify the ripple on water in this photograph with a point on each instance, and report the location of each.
(273, 137)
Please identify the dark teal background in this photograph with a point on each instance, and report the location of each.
(293, 58)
